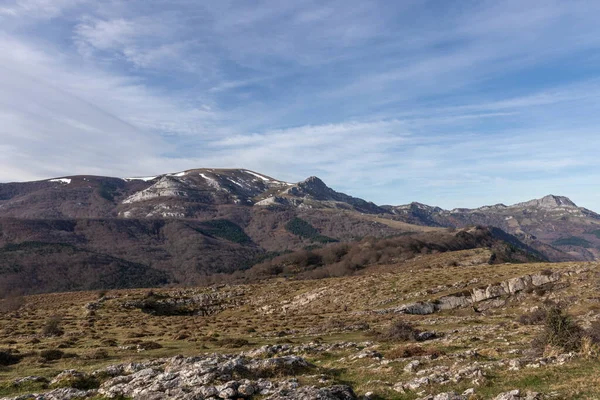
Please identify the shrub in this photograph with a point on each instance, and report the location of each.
(51, 354)
(98, 354)
(232, 343)
(52, 326)
(413, 351)
(559, 331)
(401, 331)
(7, 357)
(149, 346)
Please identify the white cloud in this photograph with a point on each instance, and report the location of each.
(37, 8)
(375, 97)
(66, 121)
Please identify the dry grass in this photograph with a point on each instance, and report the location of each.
(301, 311)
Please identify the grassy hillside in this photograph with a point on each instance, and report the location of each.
(495, 337)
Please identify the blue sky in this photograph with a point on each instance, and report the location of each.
(455, 104)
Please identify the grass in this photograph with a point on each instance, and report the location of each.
(308, 310)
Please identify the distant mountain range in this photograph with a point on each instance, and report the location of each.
(185, 194)
(553, 220)
(85, 232)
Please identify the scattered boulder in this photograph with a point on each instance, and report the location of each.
(419, 308)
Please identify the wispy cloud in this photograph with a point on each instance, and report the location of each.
(393, 101)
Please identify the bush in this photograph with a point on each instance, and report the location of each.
(98, 354)
(51, 354)
(7, 357)
(559, 331)
(52, 326)
(401, 331)
(232, 343)
(413, 351)
(149, 346)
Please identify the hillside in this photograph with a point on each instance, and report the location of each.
(448, 325)
(196, 226)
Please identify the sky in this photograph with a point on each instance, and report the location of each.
(455, 104)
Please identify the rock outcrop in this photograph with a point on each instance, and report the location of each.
(480, 295)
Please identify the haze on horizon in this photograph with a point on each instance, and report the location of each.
(454, 104)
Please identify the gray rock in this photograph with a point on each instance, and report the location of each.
(427, 335)
(419, 308)
(412, 366)
(337, 392)
(452, 302)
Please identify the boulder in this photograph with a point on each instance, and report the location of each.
(452, 302)
(419, 308)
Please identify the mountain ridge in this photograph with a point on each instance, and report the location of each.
(554, 220)
(198, 223)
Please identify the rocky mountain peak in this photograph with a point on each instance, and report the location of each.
(313, 183)
(549, 202)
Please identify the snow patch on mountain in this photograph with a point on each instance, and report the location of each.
(61, 180)
(145, 179)
(211, 182)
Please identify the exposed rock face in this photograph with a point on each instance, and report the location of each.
(479, 295)
(313, 189)
(167, 186)
(215, 376)
(548, 202)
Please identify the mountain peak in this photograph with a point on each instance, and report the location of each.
(550, 201)
(314, 182)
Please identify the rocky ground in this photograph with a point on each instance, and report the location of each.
(435, 330)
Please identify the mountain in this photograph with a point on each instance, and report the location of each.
(187, 194)
(554, 225)
(85, 232)
(88, 232)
